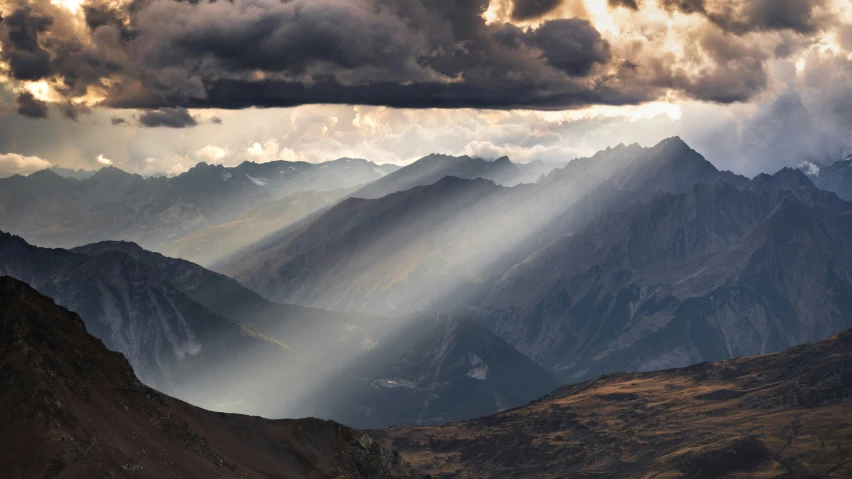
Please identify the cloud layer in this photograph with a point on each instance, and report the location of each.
(756, 84)
(541, 54)
(13, 164)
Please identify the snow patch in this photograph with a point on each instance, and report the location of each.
(379, 171)
(396, 383)
(256, 181)
(480, 367)
(369, 343)
(226, 176)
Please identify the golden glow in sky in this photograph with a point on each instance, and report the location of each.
(72, 5)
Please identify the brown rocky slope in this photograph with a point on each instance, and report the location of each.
(71, 408)
(781, 415)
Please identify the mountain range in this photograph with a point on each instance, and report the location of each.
(454, 288)
(207, 339)
(72, 408)
(75, 409)
(432, 247)
(597, 267)
(712, 273)
(53, 210)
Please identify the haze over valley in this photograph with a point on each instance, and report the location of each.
(398, 239)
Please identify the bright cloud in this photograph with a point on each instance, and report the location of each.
(14, 164)
(210, 154)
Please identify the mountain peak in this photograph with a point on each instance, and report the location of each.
(674, 142)
(128, 247)
(785, 178)
(45, 174)
(110, 173)
(792, 176)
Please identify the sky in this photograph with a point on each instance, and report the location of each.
(155, 86)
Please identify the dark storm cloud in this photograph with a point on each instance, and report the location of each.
(754, 15)
(573, 46)
(631, 4)
(167, 117)
(738, 69)
(157, 54)
(19, 34)
(529, 9)
(28, 105)
(72, 111)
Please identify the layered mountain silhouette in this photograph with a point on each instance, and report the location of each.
(51, 210)
(633, 259)
(450, 289)
(432, 168)
(72, 173)
(217, 243)
(173, 342)
(253, 355)
(780, 415)
(72, 408)
(441, 246)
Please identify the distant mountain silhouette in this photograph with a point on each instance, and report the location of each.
(155, 212)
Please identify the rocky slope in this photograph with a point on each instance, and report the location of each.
(712, 273)
(172, 341)
(781, 415)
(74, 409)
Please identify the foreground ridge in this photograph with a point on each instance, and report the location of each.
(787, 414)
(72, 408)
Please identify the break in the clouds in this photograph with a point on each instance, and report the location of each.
(541, 54)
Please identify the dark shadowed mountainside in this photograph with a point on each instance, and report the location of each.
(320, 353)
(432, 370)
(708, 274)
(431, 169)
(72, 408)
(781, 415)
(173, 342)
(431, 247)
(441, 246)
